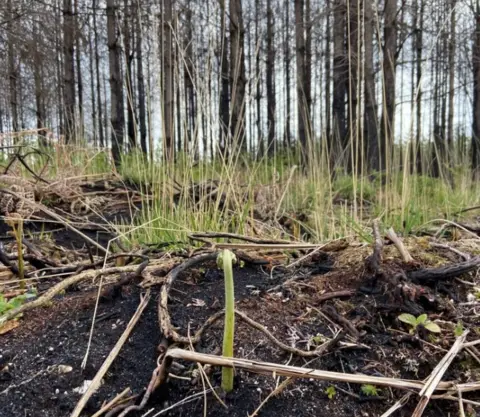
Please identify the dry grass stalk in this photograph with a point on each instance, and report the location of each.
(435, 377)
(111, 356)
(268, 368)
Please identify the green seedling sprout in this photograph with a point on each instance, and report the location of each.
(225, 260)
(421, 320)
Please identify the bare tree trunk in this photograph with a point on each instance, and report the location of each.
(39, 94)
(370, 135)
(271, 102)
(101, 131)
(224, 140)
(92, 89)
(12, 69)
(81, 121)
(168, 93)
(451, 78)
(307, 25)
(288, 132)
(302, 106)
(238, 78)
(141, 80)
(340, 76)
(351, 138)
(419, 57)
(388, 70)
(68, 72)
(128, 52)
(117, 118)
(189, 71)
(328, 98)
(476, 96)
(258, 95)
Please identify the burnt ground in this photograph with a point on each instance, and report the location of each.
(33, 384)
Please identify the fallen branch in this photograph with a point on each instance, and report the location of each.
(111, 403)
(63, 285)
(163, 313)
(111, 356)
(445, 272)
(399, 245)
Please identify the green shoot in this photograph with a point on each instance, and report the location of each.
(225, 260)
(331, 392)
(415, 322)
(369, 390)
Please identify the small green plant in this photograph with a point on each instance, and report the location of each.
(459, 329)
(415, 322)
(225, 260)
(331, 392)
(370, 390)
(6, 305)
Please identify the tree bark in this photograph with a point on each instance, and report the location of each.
(128, 39)
(237, 75)
(101, 131)
(302, 105)
(388, 69)
(117, 117)
(168, 87)
(68, 72)
(370, 135)
(340, 76)
(141, 80)
(271, 102)
(476, 96)
(224, 108)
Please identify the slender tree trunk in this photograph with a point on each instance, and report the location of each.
(140, 79)
(328, 98)
(388, 70)
(69, 71)
(78, 59)
(419, 58)
(117, 118)
(12, 69)
(307, 27)
(370, 125)
(271, 102)
(238, 78)
(92, 89)
(168, 87)
(302, 105)
(101, 134)
(340, 76)
(451, 77)
(352, 48)
(258, 80)
(224, 140)
(189, 71)
(288, 131)
(476, 96)
(128, 52)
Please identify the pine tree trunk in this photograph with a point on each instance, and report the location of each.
(237, 75)
(68, 72)
(117, 118)
(271, 102)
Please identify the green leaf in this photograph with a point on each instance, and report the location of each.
(408, 318)
(432, 327)
(422, 319)
(369, 390)
(331, 392)
(458, 329)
